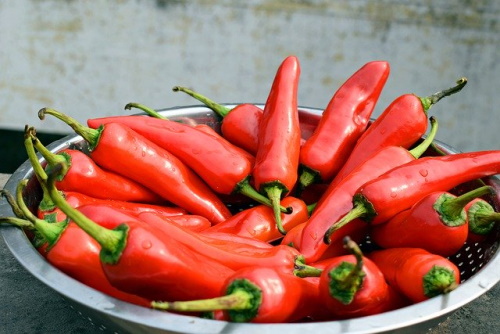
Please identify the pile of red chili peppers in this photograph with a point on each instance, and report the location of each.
(147, 213)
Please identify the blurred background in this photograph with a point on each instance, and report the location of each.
(90, 58)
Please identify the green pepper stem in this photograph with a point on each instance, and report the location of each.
(301, 269)
(237, 300)
(307, 177)
(482, 217)
(451, 209)
(439, 280)
(111, 241)
(13, 204)
(91, 136)
(151, 112)
(221, 110)
(19, 222)
(274, 193)
(359, 210)
(420, 149)
(246, 189)
(427, 102)
(52, 158)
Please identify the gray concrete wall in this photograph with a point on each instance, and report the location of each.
(90, 58)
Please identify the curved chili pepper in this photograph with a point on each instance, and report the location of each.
(68, 248)
(258, 222)
(276, 163)
(352, 285)
(257, 295)
(343, 121)
(337, 199)
(122, 150)
(437, 223)
(229, 169)
(81, 174)
(482, 220)
(380, 199)
(402, 123)
(416, 273)
(240, 125)
(141, 259)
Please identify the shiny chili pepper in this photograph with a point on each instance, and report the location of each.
(337, 199)
(416, 273)
(276, 163)
(343, 121)
(482, 218)
(437, 223)
(234, 255)
(240, 125)
(68, 248)
(402, 123)
(382, 198)
(229, 169)
(257, 295)
(258, 222)
(141, 259)
(81, 174)
(120, 149)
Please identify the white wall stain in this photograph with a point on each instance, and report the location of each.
(90, 58)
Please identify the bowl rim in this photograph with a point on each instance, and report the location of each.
(21, 248)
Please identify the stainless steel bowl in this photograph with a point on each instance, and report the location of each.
(479, 265)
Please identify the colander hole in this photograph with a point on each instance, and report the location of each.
(467, 248)
(469, 256)
(458, 255)
(479, 250)
(460, 264)
(471, 262)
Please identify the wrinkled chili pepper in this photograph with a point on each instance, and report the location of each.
(337, 199)
(240, 125)
(416, 273)
(343, 121)
(257, 295)
(229, 169)
(380, 199)
(81, 174)
(140, 259)
(120, 149)
(276, 163)
(437, 223)
(402, 123)
(258, 222)
(68, 248)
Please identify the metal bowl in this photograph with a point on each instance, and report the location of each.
(478, 264)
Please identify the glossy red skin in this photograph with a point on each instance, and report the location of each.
(86, 177)
(124, 151)
(402, 123)
(404, 269)
(344, 120)
(258, 222)
(401, 187)
(229, 164)
(157, 267)
(233, 254)
(76, 254)
(370, 299)
(421, 226)
(337, 201)
(193, 223)
(285, 297)
(76, 200)
(277, 156)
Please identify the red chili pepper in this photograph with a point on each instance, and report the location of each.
(437, 223)
(257, 295)
(342, 123)
(70, 250)
(141, 259)
(402, 123)
(276, 162)
(229, 169)
(337, 199)
(416, 273)
(122, 150)
(380, 199)
(482, 220)
(240, 125)
(81, 174)
(258, 222)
